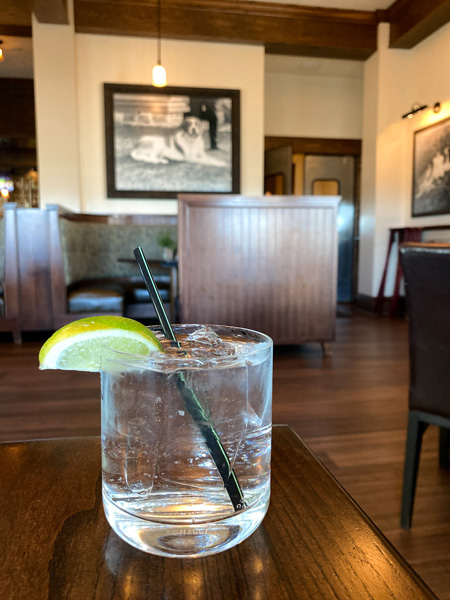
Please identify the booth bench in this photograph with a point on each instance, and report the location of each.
(93, 270)
(57, 266)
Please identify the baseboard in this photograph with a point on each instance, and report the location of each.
(365, 302)
(368, 304)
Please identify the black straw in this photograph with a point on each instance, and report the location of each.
(156, 298)
(193, 405)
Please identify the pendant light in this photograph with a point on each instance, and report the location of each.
(159, 78)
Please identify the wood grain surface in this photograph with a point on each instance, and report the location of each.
(350, 408)
(266, 263)
(314, 542)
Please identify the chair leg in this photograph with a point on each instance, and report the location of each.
(416, 429)
(444, 445)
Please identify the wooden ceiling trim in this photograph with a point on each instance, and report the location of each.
(315, 145)
(15, 16)
(16, 30)
(283, 29)
(414, 20)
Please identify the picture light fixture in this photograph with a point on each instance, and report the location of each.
(418, 107)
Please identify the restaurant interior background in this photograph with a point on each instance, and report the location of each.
(281, 96)
(345, 102)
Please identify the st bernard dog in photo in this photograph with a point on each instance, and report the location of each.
(185, 144)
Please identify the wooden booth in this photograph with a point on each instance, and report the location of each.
(266, 263)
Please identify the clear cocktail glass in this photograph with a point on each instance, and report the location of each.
(186, 440)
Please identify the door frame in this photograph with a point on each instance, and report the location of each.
(330, 146)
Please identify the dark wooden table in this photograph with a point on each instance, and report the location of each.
(315, 542)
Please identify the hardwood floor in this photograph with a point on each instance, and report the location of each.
(350, 408)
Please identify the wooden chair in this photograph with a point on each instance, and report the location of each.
(426, 269)
(9, 273)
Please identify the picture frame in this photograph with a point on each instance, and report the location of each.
(161, 142)
(431, 170)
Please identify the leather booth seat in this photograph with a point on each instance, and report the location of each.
(115, 296)
(92, 299)
(140, 295)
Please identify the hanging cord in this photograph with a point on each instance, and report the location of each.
(159, 33)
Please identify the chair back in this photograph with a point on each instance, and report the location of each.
(426, 269)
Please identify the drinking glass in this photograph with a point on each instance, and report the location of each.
(186, 440)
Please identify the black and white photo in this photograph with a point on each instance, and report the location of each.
(164, 141)
(431, 170)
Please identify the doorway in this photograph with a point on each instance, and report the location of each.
(335, 176)
(322, 167)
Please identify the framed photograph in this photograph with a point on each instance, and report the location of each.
(161, 142)
(431, 170)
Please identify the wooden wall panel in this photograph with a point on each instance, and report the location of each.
(34, 274)
(9, 321)
(264, 263)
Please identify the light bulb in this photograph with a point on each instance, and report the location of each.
(159, 78)
(1, 55)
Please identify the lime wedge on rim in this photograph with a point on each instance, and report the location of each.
(78, 345)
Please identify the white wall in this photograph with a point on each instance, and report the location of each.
(70, 70)
(368, 172)
(56, 105)
(313, 106)
(129, 60)
(394, 81)
(384, 171)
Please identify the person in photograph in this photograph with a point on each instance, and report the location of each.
(205, 110)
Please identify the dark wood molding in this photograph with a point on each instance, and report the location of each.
(15, 15)
(314, 145)
(15, 30)
(280, 28)
(51, 11)
(365, 303)
(414, 20)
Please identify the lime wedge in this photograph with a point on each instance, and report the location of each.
(78, 345)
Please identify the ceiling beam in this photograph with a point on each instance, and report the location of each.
(414, 20)
(51, 11)
(280, 28)
(15, 15)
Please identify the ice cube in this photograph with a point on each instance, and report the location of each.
(205, 335)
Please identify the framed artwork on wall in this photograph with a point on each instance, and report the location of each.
(161, 142)
(431, 170)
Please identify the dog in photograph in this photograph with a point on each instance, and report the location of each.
(184, 144)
